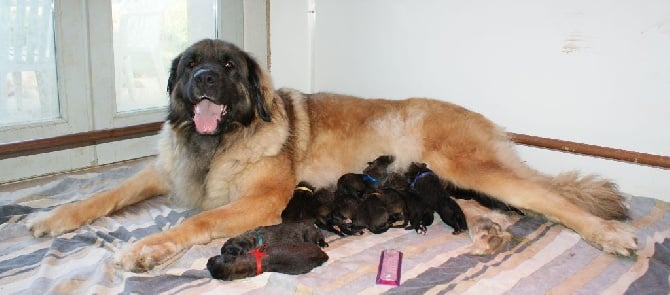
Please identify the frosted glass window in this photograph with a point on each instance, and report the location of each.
(28, 88)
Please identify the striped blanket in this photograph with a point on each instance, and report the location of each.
(543, 257)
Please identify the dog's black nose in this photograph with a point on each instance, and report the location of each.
(207, 77)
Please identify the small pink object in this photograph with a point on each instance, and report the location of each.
(388, 272)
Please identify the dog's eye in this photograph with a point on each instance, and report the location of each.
(229, 65)
(191, 64)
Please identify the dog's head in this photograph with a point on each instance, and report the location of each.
(215, 86)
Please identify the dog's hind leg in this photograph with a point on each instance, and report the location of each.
(145, 184)
(518, 185)
(487, 227)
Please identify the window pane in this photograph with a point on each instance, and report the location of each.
(28, 90)
(147, 35)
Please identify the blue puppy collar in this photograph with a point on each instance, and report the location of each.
(370, 179)
(260, 238)
(421, 175)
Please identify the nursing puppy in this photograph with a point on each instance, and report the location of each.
(429, 188)
(356, 184)
(234, 146)
(372, 214)
(380, 170)
(303, 205)
(418, 214)
(283, 232)
(288, 258)
(347, 213)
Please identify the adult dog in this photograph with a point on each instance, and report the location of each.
(235, 147)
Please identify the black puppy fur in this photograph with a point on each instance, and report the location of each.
(430, 189)
(288, 258)
(324, 212)
(483, 199)
(303, 205)
(344, 211)
(356, 184)
(416, 214)
(283, 232)
(363, 199)
(394, 202)
(379, 170)
(372, 214)
(419, 215)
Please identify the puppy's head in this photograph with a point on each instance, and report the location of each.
(223, 269)
(215, 86)
(379, 167)
(415, 169)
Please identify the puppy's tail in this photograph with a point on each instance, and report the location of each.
(595, 194)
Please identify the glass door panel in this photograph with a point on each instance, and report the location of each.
(147, 34)
(28, 90)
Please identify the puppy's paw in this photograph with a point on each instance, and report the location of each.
(144, 255)
(322, 243)
(56, 222)
(614, 237)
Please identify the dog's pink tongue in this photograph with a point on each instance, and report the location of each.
(207, 116)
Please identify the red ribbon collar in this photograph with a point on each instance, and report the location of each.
(258, 254)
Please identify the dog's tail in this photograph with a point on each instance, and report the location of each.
(595, 194)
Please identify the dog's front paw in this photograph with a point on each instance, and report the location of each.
(145, 255)
(53, 223)
(614, 237)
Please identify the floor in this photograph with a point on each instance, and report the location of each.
(12, 186)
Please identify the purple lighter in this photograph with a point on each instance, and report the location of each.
(388, 272)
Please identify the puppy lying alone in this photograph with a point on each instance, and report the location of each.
(294, 232)
(288, 258)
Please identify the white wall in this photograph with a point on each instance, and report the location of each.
(596, 72)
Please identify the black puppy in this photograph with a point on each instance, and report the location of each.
(394, 202)
(323, 215)
(418, 214)
(283, 232)
(288, 258)
(356, 184)
(429, 188)
(379, 171)
(345, 217)
(345, 214)
(394, 188)
(303, 205)
(372, 214)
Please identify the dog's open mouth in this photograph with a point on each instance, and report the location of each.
(207, 115)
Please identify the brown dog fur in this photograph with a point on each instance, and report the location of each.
(243, 176)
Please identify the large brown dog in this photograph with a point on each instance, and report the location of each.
(235, 147)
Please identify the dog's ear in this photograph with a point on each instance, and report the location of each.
(261, 88)
(173, 74)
